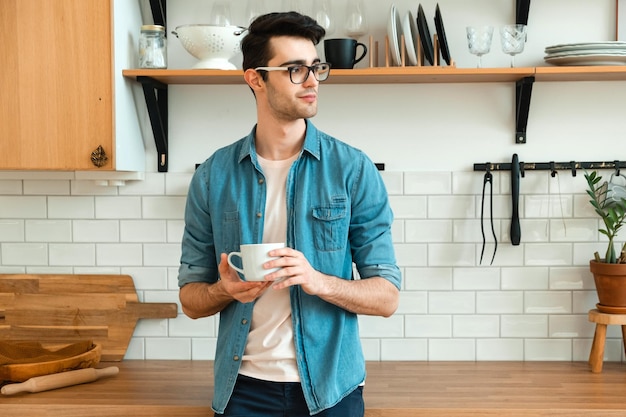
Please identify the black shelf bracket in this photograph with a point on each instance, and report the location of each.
(552, 166)
(155, 93)
(159, 12)
(522, 8)
(523, 87)
(523, 92)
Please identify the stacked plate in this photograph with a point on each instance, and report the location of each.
(587, 53)
(415, 30)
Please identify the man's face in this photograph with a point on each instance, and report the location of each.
(286, 100)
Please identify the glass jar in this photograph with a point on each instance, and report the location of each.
(152, 47)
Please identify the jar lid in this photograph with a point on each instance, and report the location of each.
(152, 28)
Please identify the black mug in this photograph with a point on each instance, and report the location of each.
(341, 52)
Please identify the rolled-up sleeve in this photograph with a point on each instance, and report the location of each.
(198, 262)
(370, 228)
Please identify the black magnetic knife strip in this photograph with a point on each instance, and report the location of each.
(550, 166)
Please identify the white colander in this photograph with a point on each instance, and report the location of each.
(213, 45)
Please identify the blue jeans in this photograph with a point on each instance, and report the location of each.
(256, 398)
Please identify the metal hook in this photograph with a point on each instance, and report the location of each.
(552, 169)
(573, 166)
(616, 163)
(521, 169)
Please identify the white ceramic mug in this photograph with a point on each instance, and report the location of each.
(253, 257)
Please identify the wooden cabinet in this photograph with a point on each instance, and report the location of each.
(58, 86)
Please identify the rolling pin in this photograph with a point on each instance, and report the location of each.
(59, 380)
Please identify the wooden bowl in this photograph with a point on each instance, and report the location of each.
(24, 371)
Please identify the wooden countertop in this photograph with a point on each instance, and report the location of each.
(393, 389)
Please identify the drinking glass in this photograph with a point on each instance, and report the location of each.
(513, 38)
(356, 20)
(479, 41)
(322, 14)
(220, 13)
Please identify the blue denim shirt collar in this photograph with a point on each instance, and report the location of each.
(311, 144)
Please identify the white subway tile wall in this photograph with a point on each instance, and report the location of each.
(531, 304)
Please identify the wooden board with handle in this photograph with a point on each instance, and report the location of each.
(69, 308)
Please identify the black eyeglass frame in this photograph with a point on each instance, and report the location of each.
(315, 69)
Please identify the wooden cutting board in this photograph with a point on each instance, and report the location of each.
(69, 308)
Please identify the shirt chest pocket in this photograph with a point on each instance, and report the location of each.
(330, 227)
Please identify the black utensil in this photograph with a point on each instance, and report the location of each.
(487, 180)
(425, 39)
(516, 231)
(441, 35)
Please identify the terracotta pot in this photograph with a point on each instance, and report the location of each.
(610, 282)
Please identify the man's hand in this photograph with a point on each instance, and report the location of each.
(240, 290)
(295, 270)
(373, 296)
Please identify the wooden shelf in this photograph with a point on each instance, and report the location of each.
(586, 73)
(381, 75)
(398, 75)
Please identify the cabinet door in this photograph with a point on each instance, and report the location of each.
(55, 83)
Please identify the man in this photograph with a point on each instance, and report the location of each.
(288, 346)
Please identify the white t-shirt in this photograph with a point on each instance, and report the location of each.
(270, 353)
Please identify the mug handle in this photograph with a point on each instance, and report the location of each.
(236, 268)
(356, 61)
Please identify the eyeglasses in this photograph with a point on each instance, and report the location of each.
(300, 73)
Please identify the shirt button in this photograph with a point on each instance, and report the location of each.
(244, 321)
(236, 358)
(259, 214)
(261, 180)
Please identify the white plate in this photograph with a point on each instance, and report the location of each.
(409, 29)
(585, 46)
(600, 59)
(587, 52)
(393, 35)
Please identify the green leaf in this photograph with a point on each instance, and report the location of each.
(612, 213)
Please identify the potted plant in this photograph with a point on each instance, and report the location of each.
(609, 273)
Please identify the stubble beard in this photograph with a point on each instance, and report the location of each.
(291, 108)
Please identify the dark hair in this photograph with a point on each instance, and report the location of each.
(256, 46)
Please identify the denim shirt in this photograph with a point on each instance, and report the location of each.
(338, 214)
